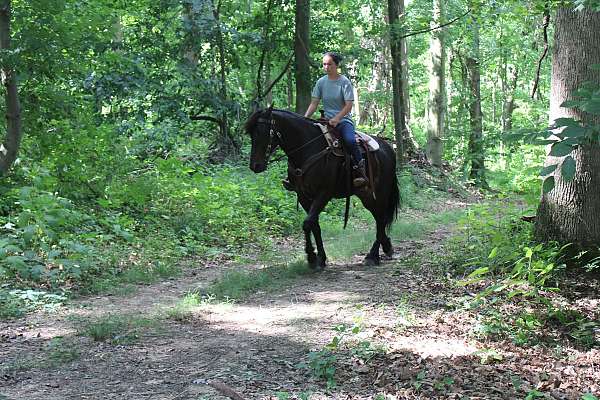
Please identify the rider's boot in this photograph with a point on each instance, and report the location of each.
(360, 174)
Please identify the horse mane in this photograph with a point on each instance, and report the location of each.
(252, 119)
(296, 116)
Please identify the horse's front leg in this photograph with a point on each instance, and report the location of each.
(311, 225)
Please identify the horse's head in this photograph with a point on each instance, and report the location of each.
(260, 126)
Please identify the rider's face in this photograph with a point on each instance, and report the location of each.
(329, 66)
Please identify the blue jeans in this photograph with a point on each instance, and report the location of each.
(346, 129)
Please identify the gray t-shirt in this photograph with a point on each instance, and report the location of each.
(334, 94)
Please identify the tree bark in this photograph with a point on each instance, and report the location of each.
(400, 127)
(301, 50)
(509, 86)
(436, 104)
(410, 144)
(225, 142)
(570, 213)
(10, 147)
(475, 148)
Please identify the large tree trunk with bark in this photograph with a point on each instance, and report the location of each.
(400, 126)
(10, 147)
(570, 213)
(436, 104)
(301, 50)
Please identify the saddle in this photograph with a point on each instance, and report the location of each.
(365, 142)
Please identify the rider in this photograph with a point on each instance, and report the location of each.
(338, 96)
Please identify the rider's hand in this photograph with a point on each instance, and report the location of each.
(334, 121)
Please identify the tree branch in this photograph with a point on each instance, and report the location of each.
(539, 66)
(206, 118)
(264, 49)
(305, 52)
(287, 66)
(435, 27)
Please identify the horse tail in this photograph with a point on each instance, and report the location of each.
(394, 198)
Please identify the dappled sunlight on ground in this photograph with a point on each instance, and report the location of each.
(434, 347)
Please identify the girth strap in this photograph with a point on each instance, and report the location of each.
(299, 172)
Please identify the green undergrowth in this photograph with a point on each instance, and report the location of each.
(56, 240)
(64, 237)
(117, 328)
(517, 282)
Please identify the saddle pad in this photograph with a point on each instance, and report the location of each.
(371, 143)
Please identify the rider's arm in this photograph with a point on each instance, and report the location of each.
(345, 110)
(312, 107)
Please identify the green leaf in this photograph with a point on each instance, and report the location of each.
(588, 396)
(570, 104)
(16, 262)
(567, 170)
(479, 271)
(572, 141)
(558, 122)
(560, 149)
(548, 184)
(543, 142)
(547, 170)
(574, 131)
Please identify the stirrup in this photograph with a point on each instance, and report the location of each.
(359, 182)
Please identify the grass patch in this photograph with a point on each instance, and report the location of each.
(343, 244)
(116, 329)
(238, 284)
(59, 352)
(124, 283)
(184, 309)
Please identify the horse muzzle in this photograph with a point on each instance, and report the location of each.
(258, 167)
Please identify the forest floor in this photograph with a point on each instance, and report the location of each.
(394, 331)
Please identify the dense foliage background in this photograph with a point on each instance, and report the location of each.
(133, 154)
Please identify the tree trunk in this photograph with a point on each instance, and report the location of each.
(290, 89)
(509, 86)
(475, 150)
(400, 127)
(570, 213)
(410, 144)
(10, 147)
(436, 104)
(301, 50)
(226, 144)
(509, 78)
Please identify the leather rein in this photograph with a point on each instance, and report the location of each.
(274, 133)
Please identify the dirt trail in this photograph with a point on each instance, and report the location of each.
(420, 344)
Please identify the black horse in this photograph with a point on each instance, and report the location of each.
(319, 176)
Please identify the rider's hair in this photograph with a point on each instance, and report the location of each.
(336, 57)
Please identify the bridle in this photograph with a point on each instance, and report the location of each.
(274, 133)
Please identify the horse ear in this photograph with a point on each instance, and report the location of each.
(255, 105)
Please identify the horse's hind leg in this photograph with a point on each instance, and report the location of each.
(381, 239)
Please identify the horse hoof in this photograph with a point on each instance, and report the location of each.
(371, 261)
(390, 253)
(312, 261)
(321, 263)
